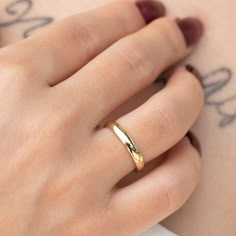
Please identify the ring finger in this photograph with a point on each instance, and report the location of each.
(155, 126)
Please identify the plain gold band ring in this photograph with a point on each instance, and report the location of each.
(128, 142)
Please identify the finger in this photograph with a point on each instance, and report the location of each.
(64, 47)
(155, 127)
(151, 199)
(128, 66)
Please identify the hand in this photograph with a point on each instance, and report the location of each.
(58, 170)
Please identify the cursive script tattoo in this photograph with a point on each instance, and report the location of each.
(214, 84)
(18, 11)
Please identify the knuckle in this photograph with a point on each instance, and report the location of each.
(132, 55)
(173, 193)
(75, 31)
(128, 14)
(13, 71)
(56, 128)
(167, 120)
(16, 71)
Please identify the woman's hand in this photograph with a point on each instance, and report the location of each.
(58, 170)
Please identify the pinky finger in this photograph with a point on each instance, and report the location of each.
(154, 197)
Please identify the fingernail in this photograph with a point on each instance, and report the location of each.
(195, 72)
(150, 9)
(194, 141)
(192, 30)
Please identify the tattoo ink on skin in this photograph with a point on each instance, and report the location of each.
(18, 11)
(214, 83)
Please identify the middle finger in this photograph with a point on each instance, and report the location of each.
(130, 65)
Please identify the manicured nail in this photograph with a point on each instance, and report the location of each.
(194, 141)
(195, 72)
(192, 30)
(150, 9)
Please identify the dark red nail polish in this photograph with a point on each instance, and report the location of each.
(192, 30)
(194, 141)
(195, 72)
(150, 9)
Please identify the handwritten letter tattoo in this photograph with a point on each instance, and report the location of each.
(18, 11)
(214, 82)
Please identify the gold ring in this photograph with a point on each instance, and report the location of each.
(128, 142)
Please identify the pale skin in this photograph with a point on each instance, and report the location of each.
(194, 212)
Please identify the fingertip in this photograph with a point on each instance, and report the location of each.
(195, 142)
(192, 69)
(189, 156)
(192, 30)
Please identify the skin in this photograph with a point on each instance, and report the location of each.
(208, 212)
(56, 161)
